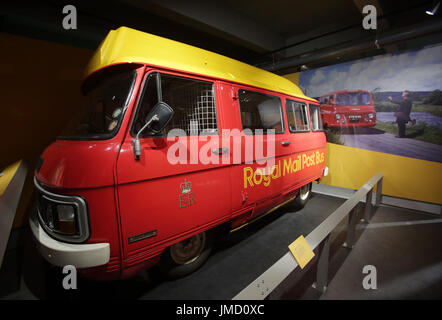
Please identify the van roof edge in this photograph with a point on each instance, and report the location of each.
(126, 45)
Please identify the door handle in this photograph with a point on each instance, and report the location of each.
(220, 151)
(286, 143)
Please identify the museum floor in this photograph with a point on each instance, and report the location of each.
(404, 246)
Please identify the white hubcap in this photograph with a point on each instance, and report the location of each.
(188, 250)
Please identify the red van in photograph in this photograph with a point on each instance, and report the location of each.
(348, 108)
(117, 194)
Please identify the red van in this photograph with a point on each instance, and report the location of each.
(118, 193)
(347, 108)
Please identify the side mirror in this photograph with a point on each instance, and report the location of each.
(156, 121)
(159, 117)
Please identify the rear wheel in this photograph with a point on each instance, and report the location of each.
(303, 196)
(186, 256)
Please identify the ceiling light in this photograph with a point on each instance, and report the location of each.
(434, 11)
(304, 67)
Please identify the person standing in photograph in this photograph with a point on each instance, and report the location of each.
(403, 112)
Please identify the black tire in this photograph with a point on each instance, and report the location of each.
(303, 196)
(173, 265)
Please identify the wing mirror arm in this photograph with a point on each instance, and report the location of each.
(156, 120)
(136, 142)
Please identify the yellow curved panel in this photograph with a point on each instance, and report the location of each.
(130, 46)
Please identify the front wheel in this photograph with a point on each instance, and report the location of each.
(303, 196)
(186, 256)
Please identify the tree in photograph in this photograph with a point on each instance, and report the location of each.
(435, 97)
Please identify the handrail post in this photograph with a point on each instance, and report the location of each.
(379, 192)
(322, 267)
(351, 228)
(368, 206)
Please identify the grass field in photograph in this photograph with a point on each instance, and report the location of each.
(420, 131)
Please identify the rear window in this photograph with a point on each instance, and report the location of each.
(260, 111)
(297, 116)
(315, 118)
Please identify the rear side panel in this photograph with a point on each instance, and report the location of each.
(299, 159)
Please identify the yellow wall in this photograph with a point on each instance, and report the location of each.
(403, 177)
(40, 84)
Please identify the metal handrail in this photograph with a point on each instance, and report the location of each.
(262, 286)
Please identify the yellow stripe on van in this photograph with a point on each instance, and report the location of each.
(404, 177)
(129, 45)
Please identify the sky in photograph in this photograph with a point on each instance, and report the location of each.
(416, 71)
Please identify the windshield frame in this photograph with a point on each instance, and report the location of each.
(113, 133)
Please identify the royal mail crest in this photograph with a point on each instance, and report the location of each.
(186, 197)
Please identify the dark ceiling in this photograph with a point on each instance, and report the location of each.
(282, 36)
(289, 18)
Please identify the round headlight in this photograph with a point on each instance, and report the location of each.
(370, 115)
(338, 116)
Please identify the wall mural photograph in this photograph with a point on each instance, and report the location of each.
(390, 103)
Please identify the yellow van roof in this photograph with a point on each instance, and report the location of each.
(129, 45)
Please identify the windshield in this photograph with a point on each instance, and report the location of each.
(353, 99)
(103, 108)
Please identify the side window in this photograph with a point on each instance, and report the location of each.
(193, 102)
(260, 111)
(297, 116)
(315, 118)
(327, 100)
